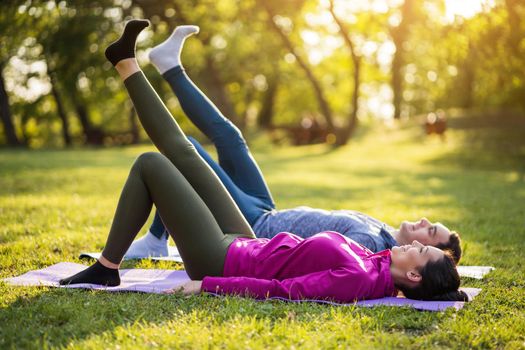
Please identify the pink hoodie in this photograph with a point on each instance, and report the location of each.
(325, 266)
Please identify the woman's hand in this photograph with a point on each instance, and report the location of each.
(188, 288)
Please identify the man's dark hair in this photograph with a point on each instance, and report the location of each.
(439, 281)
(453, 246)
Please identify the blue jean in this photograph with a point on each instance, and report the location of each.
(237, 168)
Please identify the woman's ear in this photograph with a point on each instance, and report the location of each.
(413, 276)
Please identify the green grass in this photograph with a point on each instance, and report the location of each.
(54, 204)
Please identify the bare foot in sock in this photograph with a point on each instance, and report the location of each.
(166, 55)
(124, 47)
(95, 274)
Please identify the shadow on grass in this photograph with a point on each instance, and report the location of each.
(58, 317)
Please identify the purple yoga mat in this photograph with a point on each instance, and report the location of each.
(158, 281)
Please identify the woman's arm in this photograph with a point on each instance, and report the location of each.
(188, 288)
(337, 284)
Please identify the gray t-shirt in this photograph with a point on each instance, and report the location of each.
(306, 222)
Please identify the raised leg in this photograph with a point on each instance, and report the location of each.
(234, 155)
(213, 205)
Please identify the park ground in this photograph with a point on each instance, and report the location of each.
(56, 203)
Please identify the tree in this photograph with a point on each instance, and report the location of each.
(11, 27)
(316, 85)
(60, 109)
(399, 35)
(347, 131)
(5, 113)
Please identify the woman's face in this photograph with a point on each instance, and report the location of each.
(411, 257)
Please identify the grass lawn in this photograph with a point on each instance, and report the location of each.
(54, 204)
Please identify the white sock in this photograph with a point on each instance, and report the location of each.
(166, 55)
(147, 246)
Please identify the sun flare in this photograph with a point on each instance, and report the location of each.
(465, 8)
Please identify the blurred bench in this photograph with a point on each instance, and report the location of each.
(308, 132)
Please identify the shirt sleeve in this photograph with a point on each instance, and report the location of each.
(337, 284)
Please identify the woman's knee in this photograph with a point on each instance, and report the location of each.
(150, 160)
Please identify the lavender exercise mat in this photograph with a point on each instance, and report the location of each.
(158, 281)
(477, 272)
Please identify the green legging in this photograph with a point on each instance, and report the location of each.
(195, 206)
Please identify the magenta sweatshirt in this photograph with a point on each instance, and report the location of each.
(325, 266)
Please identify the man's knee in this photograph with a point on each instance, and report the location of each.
(229, 135)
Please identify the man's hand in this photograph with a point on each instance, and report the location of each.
(188, 288)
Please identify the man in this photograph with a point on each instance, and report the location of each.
(243, 179)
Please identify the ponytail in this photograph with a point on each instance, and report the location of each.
(456, 295)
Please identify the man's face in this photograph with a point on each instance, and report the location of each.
(423, 231)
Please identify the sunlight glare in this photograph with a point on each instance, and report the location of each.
(465, 8)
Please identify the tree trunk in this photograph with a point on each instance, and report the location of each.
(60, 110)
(399, 36)
(5, 113)
(397, 82)
(469, 77)
(93, 135)
(23, 126)
(348, 131)
(514, 39)
(265, 117)
(514, 24)
(323, 104)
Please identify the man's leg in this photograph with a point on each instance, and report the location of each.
(234, 156)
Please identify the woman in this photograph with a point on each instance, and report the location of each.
(217, 245)
(244, 180)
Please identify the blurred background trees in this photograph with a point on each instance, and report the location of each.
(320, 64)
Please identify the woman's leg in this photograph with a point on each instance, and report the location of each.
(167, 136)
(154, 179)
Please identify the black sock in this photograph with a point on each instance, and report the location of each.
(124, 47)
(95, 274)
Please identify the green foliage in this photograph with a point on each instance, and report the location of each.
(472, 62)
(54, 204)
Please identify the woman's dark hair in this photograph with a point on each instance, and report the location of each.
(439, 281)
(453, 245)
